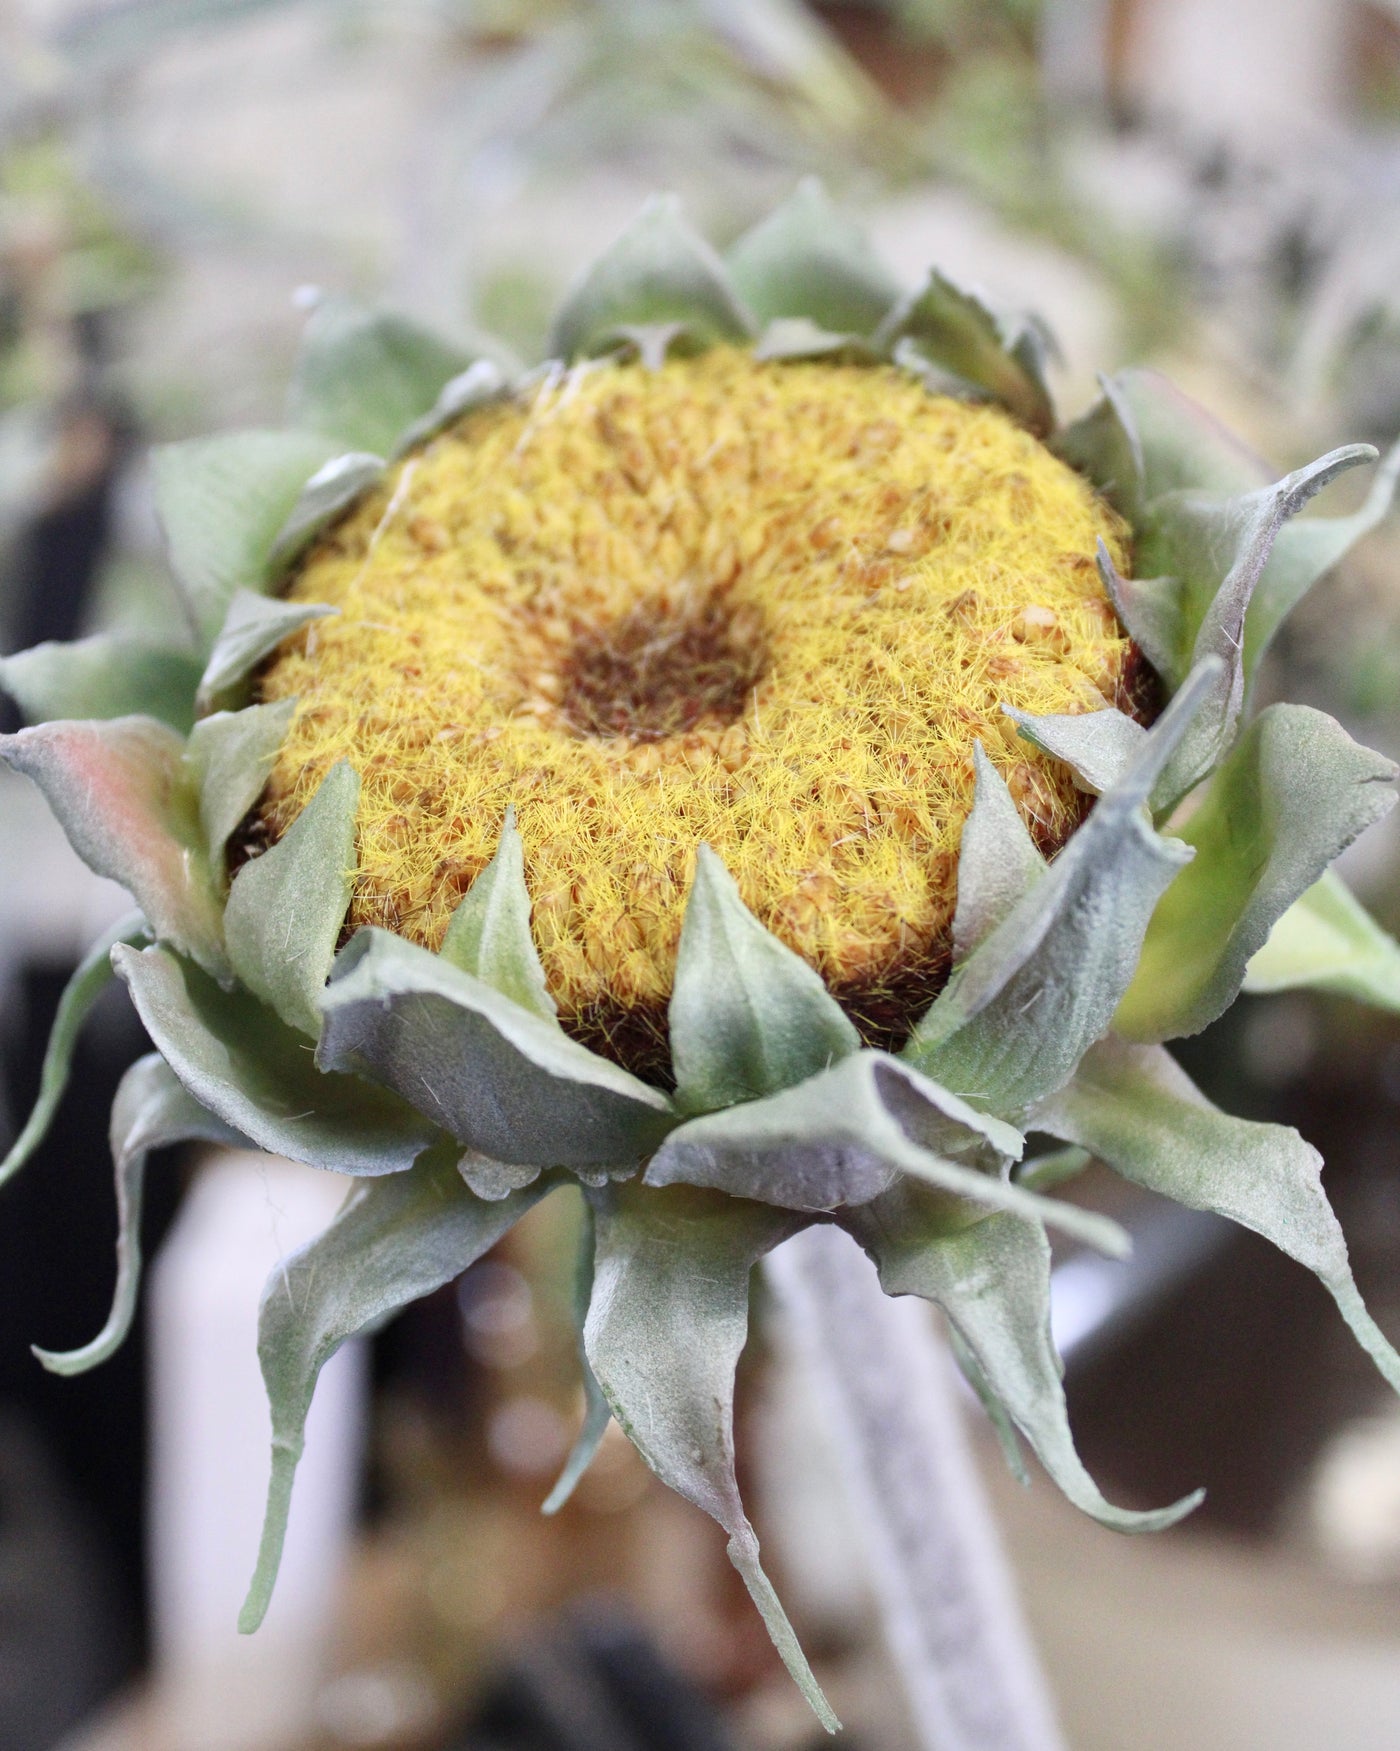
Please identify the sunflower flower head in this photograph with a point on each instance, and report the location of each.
(734, 770)
(765, 606)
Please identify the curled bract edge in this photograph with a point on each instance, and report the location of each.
(444, 1083)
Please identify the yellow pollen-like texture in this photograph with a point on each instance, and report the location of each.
(765, 606)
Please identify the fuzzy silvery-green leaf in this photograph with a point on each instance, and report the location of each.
(747, 1016)
(230, 756)
(489, 936)
(1097, 746)
(1054, 1168)
(1327, 941)
(500, 1078)
(997, 1414)
(1144, 440)
(951, 329)
(329, 491)
(666, 1323)
(222, 502)
(121, 792)
(363, 375)
(808, 259)
(1215, 551)
(285, 908)
(151, 1111)
(1304, 551)
(494, 1179)
(241, 1062)
(658, 274)
(113, 674)
(480, 383)
(1021, 1010)
(847, 1135)
(1292, 795)
(1184, 446)
(1145, 437)
(795, 337)
(1216, 548)
(992, 1280)
(1103, 445)
(597, 1413)
(1150, 608)
(89, 980)
(1136, 1109)
(395, 1241)
(252, 629)
(997, 859)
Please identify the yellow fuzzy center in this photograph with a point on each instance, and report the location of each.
(768, 607)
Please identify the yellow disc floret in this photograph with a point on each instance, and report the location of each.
(766, 606)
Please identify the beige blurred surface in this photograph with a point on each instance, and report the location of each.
(1173, 1643)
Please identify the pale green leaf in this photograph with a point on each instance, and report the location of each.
(230, 756)
(285, 908)
(489, 933)
(997, 860)
(1326, 941)
(1103, 445)
(666, 1324)
(1136, 1109)
(479, 384)
(1150, 608)
(658, 275)
(222, 502)
(89, 980)
(808, 259)
(795, 337)
(1304, 551)
(993, 1281)
(113, 674)
(951, 329)
(151, 1111)
(1146, 437)
(1292, 795)
(597, 1413)
(848, 1135)
(1057, 1166)
(748, 1016)
(364, 375)
(1216, 551)
(238, 1060)
(252, 629)
(123, 795)
(1021, 1010)
(329, 491)
(494, 1179)
(396, 1240)
(1097, 746)
(500, 1078)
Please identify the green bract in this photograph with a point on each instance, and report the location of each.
(445, 1081)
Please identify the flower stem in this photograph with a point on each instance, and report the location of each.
(945, 1594)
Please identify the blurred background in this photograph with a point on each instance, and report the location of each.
(1211, 186)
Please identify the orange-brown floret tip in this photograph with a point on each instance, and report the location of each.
(765, 606)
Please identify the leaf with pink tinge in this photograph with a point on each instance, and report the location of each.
(129, 805)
